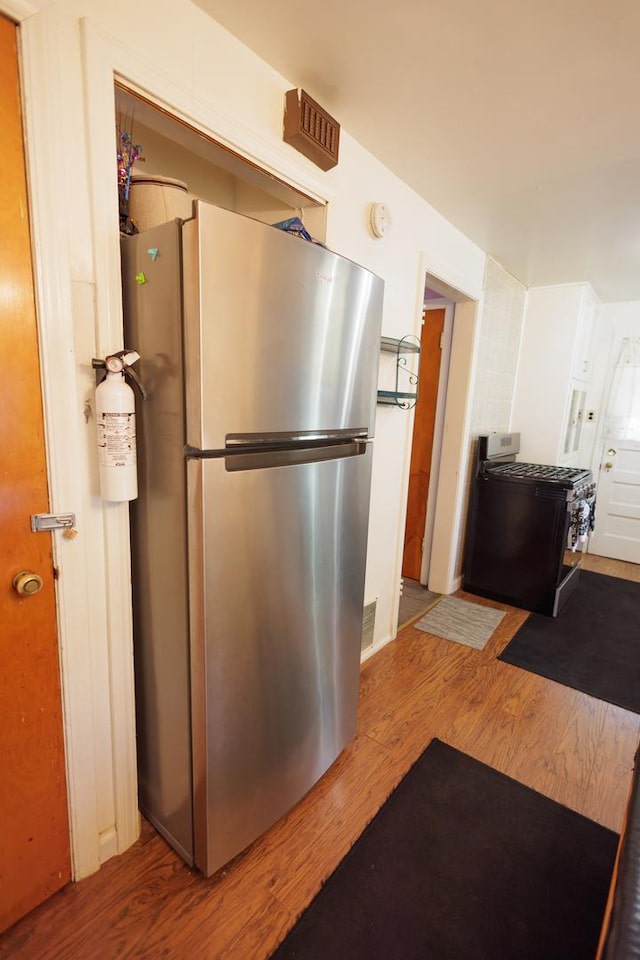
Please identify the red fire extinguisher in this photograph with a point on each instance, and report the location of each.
(116, 427)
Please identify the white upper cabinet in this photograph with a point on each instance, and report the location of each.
(553, 372)
(584, 333)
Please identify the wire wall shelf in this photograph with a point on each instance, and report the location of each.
(407, 351)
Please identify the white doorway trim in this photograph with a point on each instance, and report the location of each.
(451, 481)
(17, 10)
(616, 522)
(43, 43)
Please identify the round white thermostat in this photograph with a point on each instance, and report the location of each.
(380, 219)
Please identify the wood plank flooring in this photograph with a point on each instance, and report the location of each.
(148, 904)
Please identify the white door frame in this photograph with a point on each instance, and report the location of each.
(54, 297)
(602, 442)
(448, 488)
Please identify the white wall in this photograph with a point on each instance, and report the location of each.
(162, 156)
(174, 53)
(543, 378)
(498, 349)
(498, 337)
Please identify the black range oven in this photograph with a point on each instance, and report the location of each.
(521, 519)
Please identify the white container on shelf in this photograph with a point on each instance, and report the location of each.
(154, 200)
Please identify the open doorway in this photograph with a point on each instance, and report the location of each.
(430, 554)
(435, 348)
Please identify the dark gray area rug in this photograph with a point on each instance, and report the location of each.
(593, 646)
(462, 863)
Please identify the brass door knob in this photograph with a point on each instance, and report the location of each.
(27, 583)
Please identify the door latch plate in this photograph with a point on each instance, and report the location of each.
(43, 522)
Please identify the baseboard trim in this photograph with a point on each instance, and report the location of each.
(370, 651)
(108, 844)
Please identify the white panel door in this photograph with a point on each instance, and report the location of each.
(617, 526)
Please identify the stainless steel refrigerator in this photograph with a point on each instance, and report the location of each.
(259, 357)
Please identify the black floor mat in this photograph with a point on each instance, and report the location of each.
(593, 646)
(462, 863)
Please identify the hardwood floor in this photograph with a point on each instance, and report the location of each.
(612, 568)
(415, 600)
(148, 904)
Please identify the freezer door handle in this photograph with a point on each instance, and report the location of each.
(262, 460)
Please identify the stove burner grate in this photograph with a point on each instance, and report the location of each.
(537, 472)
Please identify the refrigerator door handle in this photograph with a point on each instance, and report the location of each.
(290, 457)
(302, 438)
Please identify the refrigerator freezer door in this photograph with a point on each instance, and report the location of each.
(277, 563)
(281, 335)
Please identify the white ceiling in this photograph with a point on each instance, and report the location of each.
(519, 120)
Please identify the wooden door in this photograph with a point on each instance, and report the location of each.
(422, 444)
(34, 829)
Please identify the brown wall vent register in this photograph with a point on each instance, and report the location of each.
(310, 129)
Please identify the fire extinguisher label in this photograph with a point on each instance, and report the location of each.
(116, 439)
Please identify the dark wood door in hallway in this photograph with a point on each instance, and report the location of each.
(148, 904)
(424, 425)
